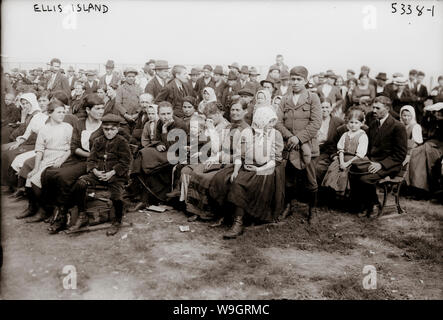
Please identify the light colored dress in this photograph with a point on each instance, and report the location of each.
(53, 141)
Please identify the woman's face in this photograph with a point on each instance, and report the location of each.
(406, 116)
(96, 113)
(165, 114)
(26, 105)
(261, 98)
(364, 80)
(237, 112)
(58, 114)
(326, 109)
(188, 109)
(101, 93)
(206, 95)
(43, 103)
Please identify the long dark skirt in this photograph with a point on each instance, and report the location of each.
(261, 196)
(58, 182)
(7, 157)
(156, 182)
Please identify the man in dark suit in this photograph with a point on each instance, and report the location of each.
(228, 93)
(176, 90)
(386, 152)
(57, 81)
(422, 95)
(91, 85)
(71, 77)
(109, 77)
(219, 85)
(206, 81)
(156, 84)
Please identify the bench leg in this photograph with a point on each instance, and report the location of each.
(397, 199)
(385, 197)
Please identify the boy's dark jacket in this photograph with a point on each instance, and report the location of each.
(107, 155)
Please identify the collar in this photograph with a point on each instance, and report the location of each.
(384, 119)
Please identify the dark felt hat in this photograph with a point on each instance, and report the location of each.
(218, 70)
(194, 72)
(274, 67)
(161, 64)
(381, 76)
(151, 61)
(244, 69)
(130, 70)
(299, 71)
(284, 75)
(247, 90)
(232, 75)
(268, 79)
(234, 65)
(253, 71)
(111, 118)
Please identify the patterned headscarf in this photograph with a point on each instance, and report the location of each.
(262, 118)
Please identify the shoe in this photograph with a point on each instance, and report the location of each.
(82, 220)
(236, 229)
(40, 216)
(312, 215)
(18, 195)
(286, 213)
(57, 226)
(174, 193)
(375, 211)
(114, 229)
(28, 212)
(217, 223)
(193, 218)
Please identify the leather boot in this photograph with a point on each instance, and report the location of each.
(312, 210)
(32, 205)
(236, 229)
(82, 220)
(217, 223)
(116, 224)
(40, 216)
(59, 221)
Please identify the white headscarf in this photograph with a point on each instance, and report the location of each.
(267, 95)
(32, 99)
(211, 92)
(412, 111)
(263, 118)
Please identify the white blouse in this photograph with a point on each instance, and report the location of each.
(37, 122)
(363, 142)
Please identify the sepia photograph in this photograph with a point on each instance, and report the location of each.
(224, 156)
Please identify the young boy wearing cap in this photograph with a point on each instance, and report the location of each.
(108, 165)
(299, 120)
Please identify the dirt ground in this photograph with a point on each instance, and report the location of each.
(290, 260)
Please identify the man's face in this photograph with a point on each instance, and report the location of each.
(380, 110)
(101, 93)
(151, 113)
(365, 71)
(70, 73)
(268, 86)
(144, 103)
(130, 78)
(237, 113)
(188, 109)
(349, 75)
(246, 98)
(321, 80)
(244, 76)
(217, 77)
(381, 83)
(326, 109)
(9, 98)
(420, 79)
(182, 76)
(253, 77)
(298, 83)
(194, 77)
(91, 77)
(163, 73)
(165, 114)
(275, 74)
(110, 131)
(331, 81)
(55, 67)
(109, 71)
(151, 66)
(234, 70)
(279, 60)
(78, 89)
(412, 77)
(206, 73)
(38, 73)
(43, 102)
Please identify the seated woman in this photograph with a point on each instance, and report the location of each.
(195, 178)
(52, 149)
(32, 123)
(10, 116)
(252, 184)
(58, 182)
(364, 93)
(208, 96)
(110, 103)
(425, 158)
(151, 166)
(413, 129)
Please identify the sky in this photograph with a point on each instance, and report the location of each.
(321, 35)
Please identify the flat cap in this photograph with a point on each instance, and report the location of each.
(218, 70)
(112, 119)
(299, 71)
(130, 70)
(244, 69)
(253, 71)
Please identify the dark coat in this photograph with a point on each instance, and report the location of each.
(172, 94)
(153, 87)
(91, 89)
(114, 80)
(200, 85)
(388, 144)
(61, 84)
(330, 145)
(334, 95)
(117, 152)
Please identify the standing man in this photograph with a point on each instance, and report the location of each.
(194, 77)
(243, 78)
(412, 81)
(220, 84)
(386, 151)
(422, 95)
(381, 82)
(57, 81)
(71, 77)
(205, 81)
(156, 84)
(91, 85)
(299, 120)
(228, 93)
(253, 78)
(146, 74)
(235, 68)
(109, 77)
(280, 64)
(127, 99)
(176, 90)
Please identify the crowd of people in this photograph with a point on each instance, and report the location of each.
(216, 142)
